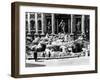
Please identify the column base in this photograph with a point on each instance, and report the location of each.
(28, 33)
(52, 33)
(71, 34)
(42, 33)
(36, 34)
(83, 34)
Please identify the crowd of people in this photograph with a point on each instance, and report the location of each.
(57, 46)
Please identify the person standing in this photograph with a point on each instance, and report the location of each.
(49, 55)
(35, 55)
(43, 54)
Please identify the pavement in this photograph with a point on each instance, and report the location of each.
(84, 60)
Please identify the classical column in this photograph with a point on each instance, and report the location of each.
(28, 19)
(36, 24)
(69, 26)
(53, 23)
(42, 19)
(82, 24)
(57, 26)
(71, 23)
